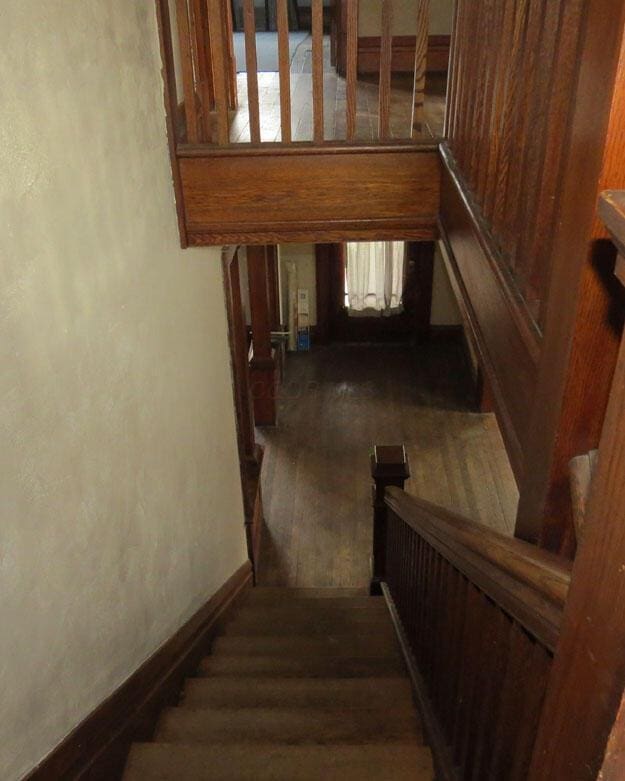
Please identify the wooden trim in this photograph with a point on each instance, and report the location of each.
(444, 766)
(170, 99)
(98, 747)
(403, 60)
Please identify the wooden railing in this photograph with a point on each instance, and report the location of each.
(479, 615)
(509, 108)
(218, 109)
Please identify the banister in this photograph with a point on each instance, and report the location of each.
(544, 572)
(478, 615)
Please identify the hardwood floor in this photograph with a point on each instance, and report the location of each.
(335, 404)
(334, 103)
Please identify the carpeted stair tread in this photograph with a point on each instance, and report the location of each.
(248, 762)
(371, 604)
(277, 594)
(288, 725)
(302, 666)
(297, 692)
(278, 622)
(307, 645)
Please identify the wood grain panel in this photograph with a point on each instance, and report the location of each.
(316, 193)
(502, 329)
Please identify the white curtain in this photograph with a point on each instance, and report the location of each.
(375, 276)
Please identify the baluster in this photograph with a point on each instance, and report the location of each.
(494, 673)
(188, 79)
(420, 67)
(389, 467)
(317, 56)
(251, 65)
(220, 69)
(203, 65)
(512, 695)
(540, 662)
(386, 56)
(284, 66)
(351, 75)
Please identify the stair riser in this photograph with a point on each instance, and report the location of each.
(312, 726)
(166, 762)
(297, 668)
(371, 645)
(297, 694)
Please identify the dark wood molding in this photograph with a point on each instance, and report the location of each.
(98, 747)
(500, 325)
(403, 54)
(444, 765)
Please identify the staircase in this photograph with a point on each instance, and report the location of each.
(302, 684)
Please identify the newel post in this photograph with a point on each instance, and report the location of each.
(389, 467)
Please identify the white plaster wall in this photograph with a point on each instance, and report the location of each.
(404, 17)
(303, 255)
(121, 510)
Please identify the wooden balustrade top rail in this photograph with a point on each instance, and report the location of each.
(527, 582)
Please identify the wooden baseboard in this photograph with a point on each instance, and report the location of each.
(98, 747)
(403, 54)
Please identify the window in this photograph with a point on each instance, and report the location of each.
(374, 276)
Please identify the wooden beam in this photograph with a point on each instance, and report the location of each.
(220, 69)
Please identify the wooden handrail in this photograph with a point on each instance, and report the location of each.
(545, 573)
(478, 615)
(528, 583)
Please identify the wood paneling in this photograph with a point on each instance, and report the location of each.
(502, 330)
(97, 748)
(525, 110)
(583, 315)
(311, 195)
(588, 679)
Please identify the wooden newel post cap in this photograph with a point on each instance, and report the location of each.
(389, 463)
